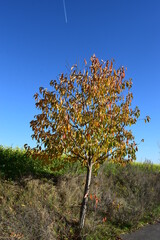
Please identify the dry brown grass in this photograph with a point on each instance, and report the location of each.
(40, 209)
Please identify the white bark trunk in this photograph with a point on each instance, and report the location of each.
(85, 197)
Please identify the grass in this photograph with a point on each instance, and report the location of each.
(37, 203)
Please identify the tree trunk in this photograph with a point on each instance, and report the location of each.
(85, 196)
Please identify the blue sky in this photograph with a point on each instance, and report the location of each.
(37, 41)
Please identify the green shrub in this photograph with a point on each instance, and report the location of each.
(14, 163)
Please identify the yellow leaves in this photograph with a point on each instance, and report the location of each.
(97, 165)
(74, 66)
(11, 209)
(57, 106)
(84, 163)
(106, 150)
(63, 92)
(80, 119)
(95, 89)
(85, 110)
(77, 135)
(96, 124)
(115, 74)
(69, 127)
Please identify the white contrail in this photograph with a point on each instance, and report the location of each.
(65, 13)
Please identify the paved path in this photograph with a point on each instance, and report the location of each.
(149, 232)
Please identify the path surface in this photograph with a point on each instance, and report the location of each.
(149, 232)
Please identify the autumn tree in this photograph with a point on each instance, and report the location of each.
(87, 116)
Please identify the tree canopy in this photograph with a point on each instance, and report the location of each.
(87, 115)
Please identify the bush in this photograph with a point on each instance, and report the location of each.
(14, 163)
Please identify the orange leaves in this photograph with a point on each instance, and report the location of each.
(41, 89)
(36, 96)
(95, 88)
(67, 117)
(61, 76)
(123, 74)
(96, 124)
(147, 119)
(16, 235)
(127, 142)
(64, 136)
(73, 119)
(109, 105)
(110, 67)
(87, 109)
(95, 198)
(88, 137)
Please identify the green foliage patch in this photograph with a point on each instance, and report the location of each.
(16, 164)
